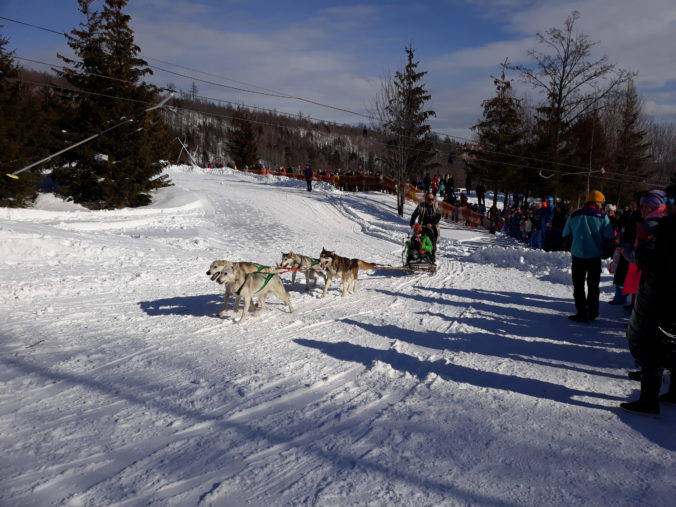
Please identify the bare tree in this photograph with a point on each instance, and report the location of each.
(572, 82)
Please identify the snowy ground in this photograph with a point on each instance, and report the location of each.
(119, 385)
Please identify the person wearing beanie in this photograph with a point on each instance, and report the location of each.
(653, 310)
(589, 228)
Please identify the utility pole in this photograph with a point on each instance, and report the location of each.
(591, 151)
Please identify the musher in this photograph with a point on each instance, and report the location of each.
(428, 215)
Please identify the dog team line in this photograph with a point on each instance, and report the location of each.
(245, 280)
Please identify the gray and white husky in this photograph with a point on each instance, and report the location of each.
(217, 267)
(248, 285)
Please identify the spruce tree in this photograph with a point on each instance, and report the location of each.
(18, 132)
(404, 118)
(122, 166)
(242, 140)
(500, 135)
(630, 161)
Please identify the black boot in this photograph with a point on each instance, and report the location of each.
(648, 403)
(670, 396)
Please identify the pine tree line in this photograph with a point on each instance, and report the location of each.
(589, 131)
(555, 147)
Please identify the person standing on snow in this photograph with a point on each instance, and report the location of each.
(626, 235)
(546, 216)
(308, 177)
(588, 227)
(652, 328)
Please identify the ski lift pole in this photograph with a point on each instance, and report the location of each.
(184, 147)
(157, 106)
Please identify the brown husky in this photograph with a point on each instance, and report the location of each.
(217, 267)
(348, 269)
(308, 265)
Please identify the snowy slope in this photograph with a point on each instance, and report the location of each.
(119, 385)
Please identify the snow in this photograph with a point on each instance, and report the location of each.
(119, 385)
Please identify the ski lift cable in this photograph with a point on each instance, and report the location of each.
(277, 94)
(267, 92)
(215, 115)
(15, 174)
(456, 138)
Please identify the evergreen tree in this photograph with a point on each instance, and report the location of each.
(122, 166)
(500, 134)
(404, 119)
(631, 153)
(18, 132)
(242, 140)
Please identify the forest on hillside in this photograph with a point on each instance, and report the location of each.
(99, 138)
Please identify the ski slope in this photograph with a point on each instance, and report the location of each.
(120, 386)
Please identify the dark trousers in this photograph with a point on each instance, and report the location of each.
(309, 185)
(588, 270)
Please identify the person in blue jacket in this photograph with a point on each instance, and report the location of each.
(589, 228)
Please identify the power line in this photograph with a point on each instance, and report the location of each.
(269, 93)
(276, 94)
(32, 26)
(276, 125)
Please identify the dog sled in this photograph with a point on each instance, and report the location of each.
(419, 251)
(413, 261)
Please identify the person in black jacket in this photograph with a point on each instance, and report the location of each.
(308, 177)
(428, 215)
(626, 230)
(665, 244)
(653, 308)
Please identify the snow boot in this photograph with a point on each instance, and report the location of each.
(618, 299)
(578, 317)
(668, 397)
(648, 403)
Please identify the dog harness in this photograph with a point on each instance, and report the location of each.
(313, 262)
(268, 277)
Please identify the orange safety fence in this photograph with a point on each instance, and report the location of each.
(364, 182)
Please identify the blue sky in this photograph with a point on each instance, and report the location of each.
(338, 52)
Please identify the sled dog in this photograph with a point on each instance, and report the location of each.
(348, 269)
(308, 265)
(217, 268)
(248, 285)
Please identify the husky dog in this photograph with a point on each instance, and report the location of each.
(308, 265)
(247, 285)
(217, 268)
(348, 269)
